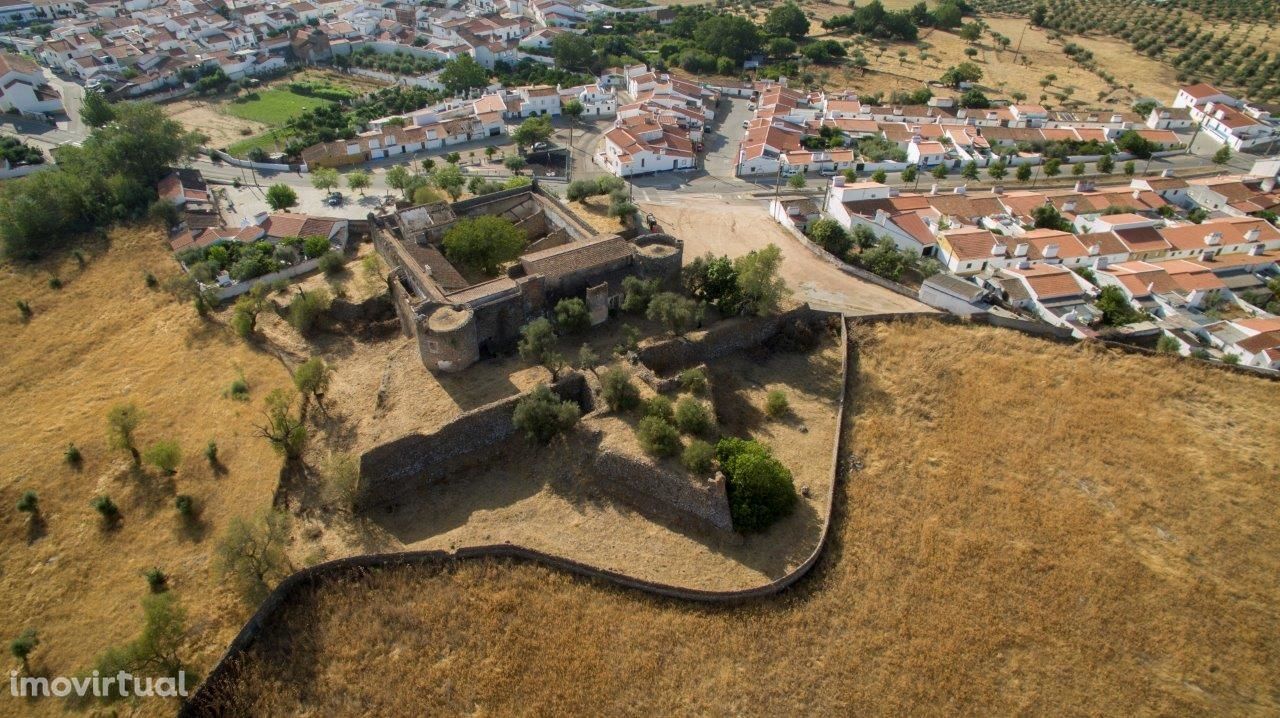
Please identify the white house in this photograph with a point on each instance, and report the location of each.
(23, 88)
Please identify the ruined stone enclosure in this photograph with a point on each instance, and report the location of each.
(457, 318)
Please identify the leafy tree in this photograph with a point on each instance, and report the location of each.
(1106, 165)
(658, 437)
(1053, 167)
(572, 109)
(165, 456)
(96, 110)
(572, 51)
(307, 308)
(909, 174)
(786, 21)
(998, 170)
(1023, 173)
(974, 99)
(759, 284)
(251, 554)
(1129, 168)
(729, 36)
(637, 293)
(776, 404)
(538, 345)
(281, 196)
(29, 503)
(572, 315)
(796, 181)
(515, 163)
(315, 245)
(759, 487)
(1135, 144)
(312, 381)
(324, 178)
(828, 234)
(1046, 216)
(692, 416)
(449, 178)
(1222, 156)
(619, 393)
(1078, 169)
(1168, 345)
(676, 312)
(484, 242)
(970, 170)
(358, 180)
(1115, 307)
(122, 421)
(880, 176)
(532, 131)
(698, 457)
(587, 359)
(660, 406)
(463, 73)
(398, 177)
(693, 381)
(713, 280)
(285, 431)
(962, 73)
(541, 415)
(940, 172)
(781, 47)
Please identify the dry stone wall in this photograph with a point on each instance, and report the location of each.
(661, 493)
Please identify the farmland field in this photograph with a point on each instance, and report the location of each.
(273, 107)
(1033, 526)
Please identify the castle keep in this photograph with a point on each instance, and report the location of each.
(458, 320)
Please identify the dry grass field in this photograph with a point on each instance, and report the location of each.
(103, 338)
(1034, 527)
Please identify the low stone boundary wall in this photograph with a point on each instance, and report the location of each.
(392, 470)
(847, 268)
(660, 493)
(202, 703)
(720, 339)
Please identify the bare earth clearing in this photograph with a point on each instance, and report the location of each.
(1035, 526)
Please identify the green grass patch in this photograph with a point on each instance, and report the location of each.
(272, 107)
(273, 141)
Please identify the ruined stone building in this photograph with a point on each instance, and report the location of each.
(457, 320)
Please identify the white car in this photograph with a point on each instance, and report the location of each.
(746, 124)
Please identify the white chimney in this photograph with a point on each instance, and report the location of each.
(1100, 263)
(1252, 235)
(1268, 184)
(1166, 172)
(1095, 249)
(1220, 114)
(998, 189)
(1069, 206)
(933, 189)
(998, 249)
(1024, 264)
(960, 190)
(1257, 250)
(1206, 255)
(881, 217)
(1050, 251)
(260, 217)
(1021, 249)
(837, 181)
(1213, 238)
(1082, 185)
(1137, 194)
(1196, 297)
(1151, 287)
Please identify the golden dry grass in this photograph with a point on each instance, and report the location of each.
(106, 338)
(1037, 529)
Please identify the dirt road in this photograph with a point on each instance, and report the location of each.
(734, 227)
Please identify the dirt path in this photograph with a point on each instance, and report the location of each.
(715, 225)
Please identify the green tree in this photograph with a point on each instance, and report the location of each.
(449, 178)
(658, 437)
(572, 315)
(1023, 173)
(796, 181)
(22, 646)
(96, 110)
(940, 172)
(880, 176)
(532, 131)
(573, 109)
(538, 345)
(281, 196)
(828, 234)
(1053, 167)
(786, 20)
(398, 177)
(122, 421)
(677, 313)
(463, 73)
(251, 554)
(1129, 168)
(307, 308)
(728, 35)
(515, 163)
(541, 415)
(776, 404)
(998, 170)
(970, 170)
(324, 178)
(617, 389)
(1106, 165)
(484, 242)
(358, 180)
(698, 457)
(960, 74)
(909, 174)
(1222, 156)
(760, 489)
(572, 51)
(1115, 307)
(285, 431)
(760, 286)
(165, 456)
(691, 416)
(312, 381)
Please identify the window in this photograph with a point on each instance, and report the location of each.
(433, 346)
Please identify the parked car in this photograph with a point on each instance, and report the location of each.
(539, 146)
(334, 199)
(746, 124)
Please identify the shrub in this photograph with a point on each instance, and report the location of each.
(29, 503)
(618, 391)
(306, 309)
(151, 280)
(658, 437)
(211, 453)
(342, 477)
(693, 380)
(776, 404)
(251, 554)
(331, 263)
(185, 505)
(22, 646)
(637, 293)
(572, 315)
(760, 489)
(72, 456)
(692, 416)
(156, 580)
(660, 406)
(164, 455)
(698, 457)
(55, 283)
(24, 309)
(239, 390)
(541, 414)
(106, 508)
(676, 312)
(1167, 345)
